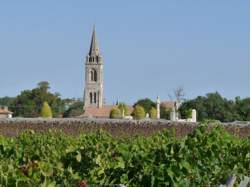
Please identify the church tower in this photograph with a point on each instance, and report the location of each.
(93, 93)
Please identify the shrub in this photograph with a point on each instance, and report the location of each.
(139, 112)
(115, 113)
(123, 107)
(153, 113)
(46, 111)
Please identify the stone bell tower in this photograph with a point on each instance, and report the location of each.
(93, 92)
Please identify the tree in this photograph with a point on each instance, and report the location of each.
(165, 113)
(179, 95)
(214, 106)
(139, 112)
(153, 113)
(29, 102)
(74, 108)
(46, 111)
(146, 103)
(6, 101)
(44, 86)
(123, 108)
(242, 109)
(115, 113)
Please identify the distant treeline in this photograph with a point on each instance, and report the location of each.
(29, 103)
(214, 107)
(210, 107)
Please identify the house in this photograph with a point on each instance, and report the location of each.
(5, 113)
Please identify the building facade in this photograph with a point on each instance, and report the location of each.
(4, 112)
(93, 92)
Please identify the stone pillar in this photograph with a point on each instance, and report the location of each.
(158, 103)
(173, 115)
(194, 118)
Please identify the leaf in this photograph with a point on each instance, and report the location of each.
(248, 155)
(78, 156)
(186, 165)
(98, 160)
(120, 163)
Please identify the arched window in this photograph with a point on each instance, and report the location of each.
(91, 98)
(95, 97)
(93, 75)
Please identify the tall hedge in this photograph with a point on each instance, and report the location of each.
(46, 111)
(139, 112)
(153, 113)
(115, 113)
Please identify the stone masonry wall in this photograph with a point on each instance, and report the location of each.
(118, 128)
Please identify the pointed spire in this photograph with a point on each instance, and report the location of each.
(94, 48)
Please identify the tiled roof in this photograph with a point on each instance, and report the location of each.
(103, 112)
(4, 111)
(168, 104)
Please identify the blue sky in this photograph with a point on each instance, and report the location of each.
(149, 47)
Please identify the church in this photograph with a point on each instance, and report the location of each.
(94, 105)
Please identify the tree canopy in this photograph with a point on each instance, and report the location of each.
(146, 103)
(74, 108)
(214, 106)
(115, 113)
(29, 102)
(153, 113)
(139, 112)
(123, 108)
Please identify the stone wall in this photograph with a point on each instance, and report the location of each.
(119, 128)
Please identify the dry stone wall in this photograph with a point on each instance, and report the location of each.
(118, 128)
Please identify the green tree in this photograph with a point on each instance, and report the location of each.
(146, 103)
(74, 108)
(6, 101)
(115, 113)
(44, 86)
(165, 113)
(153, 113)
(29, 102)
(139, 112)
(213, 106)
(242, 109)
(123, 108)
(46, 111)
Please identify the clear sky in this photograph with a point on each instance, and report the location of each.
(149, 47)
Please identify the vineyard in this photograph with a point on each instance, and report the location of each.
(205, 157)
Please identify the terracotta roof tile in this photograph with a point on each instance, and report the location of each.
(4, 111)
(100, 112)
(168, 104)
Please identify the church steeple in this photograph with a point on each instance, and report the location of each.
(93, 94)
(94, 48)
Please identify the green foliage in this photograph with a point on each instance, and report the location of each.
(46, 111)
(146, 103)
(214, 106)
(6, 101)
(153, 113)
(165, 113)
(115, 113)
(139, 112)
(75, 108)
(204, 158)
(29, 102)
(123, 107)
(44, 86)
